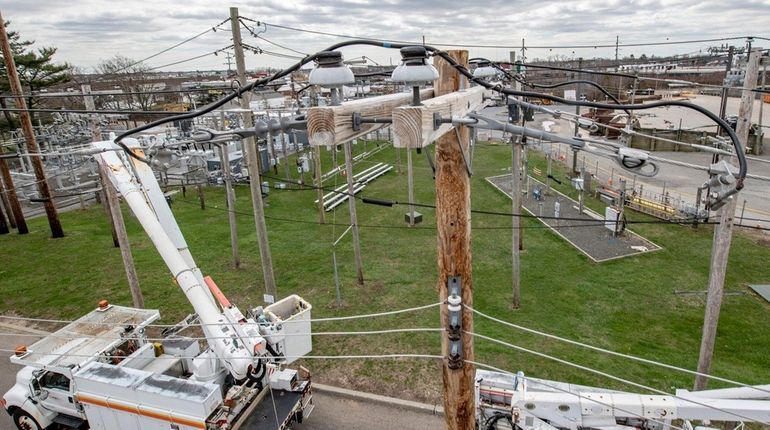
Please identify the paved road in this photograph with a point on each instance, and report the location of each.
(336, 413)
(8, 370)
(331, 412)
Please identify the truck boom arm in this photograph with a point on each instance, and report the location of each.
(236, 343)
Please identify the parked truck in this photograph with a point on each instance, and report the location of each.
(115, 369)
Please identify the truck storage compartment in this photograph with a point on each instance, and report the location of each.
(120, 397)
(293, 312)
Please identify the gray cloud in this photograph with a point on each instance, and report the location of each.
(86, 31)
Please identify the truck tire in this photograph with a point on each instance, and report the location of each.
(24, 421)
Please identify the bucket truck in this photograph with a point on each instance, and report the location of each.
(113, 369)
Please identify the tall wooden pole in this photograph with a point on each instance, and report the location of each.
(353, 215)
(225, 161)
(723, 232)
(319, 183)
(29, 134)
(6, 203)
(13, 199)
(125, 245)
(96, 135)
(453, 221)
(516, 220)
(224, 157)
(410, 185)
(250, 148)
(3, 223)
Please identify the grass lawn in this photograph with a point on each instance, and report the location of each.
(626, 305)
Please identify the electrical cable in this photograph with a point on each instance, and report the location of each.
(112, 94)
(158, 339)
(342, 318)
(461, 69)
(578, 81)
(189, 59)
(189, 39)
(585, 222)
(497, 87)
(610, 352)
(309, 357)
(345, 36)
(608, 375)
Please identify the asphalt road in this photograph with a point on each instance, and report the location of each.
(336, 413)
(8, 370)
(331, 412)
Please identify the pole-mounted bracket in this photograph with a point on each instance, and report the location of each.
(455, 322)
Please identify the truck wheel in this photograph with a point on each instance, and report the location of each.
(24, 421)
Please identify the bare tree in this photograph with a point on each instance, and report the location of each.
(130, 76)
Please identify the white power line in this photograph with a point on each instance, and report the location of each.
(610, 352)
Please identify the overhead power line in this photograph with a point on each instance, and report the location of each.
(470, 45)
(163, 51)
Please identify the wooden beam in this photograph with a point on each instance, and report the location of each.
(333, 125)
(413, 125)
(453, 225)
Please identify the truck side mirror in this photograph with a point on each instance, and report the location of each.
(37, 392)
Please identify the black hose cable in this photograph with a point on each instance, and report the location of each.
(499, 88)
(491, 422)
(578, 81)
(465, 72)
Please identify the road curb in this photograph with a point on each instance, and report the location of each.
(369, 397)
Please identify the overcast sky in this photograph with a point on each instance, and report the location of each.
(87, 31)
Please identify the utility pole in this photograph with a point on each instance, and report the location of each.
(29, 134)
(516, 220)
(224, 158)
(410, 185)
(353, 215)
(725, 90)
(453, 222)
(760, 134)
(250, 148)
(6, 204)
(10, 192)
(319, 186)
(3, 224)
(125, 246)
(724, 230)
(96, 135)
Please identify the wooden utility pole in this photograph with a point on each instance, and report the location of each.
(29, 134)
(319, 186)
(6, 204)
(250, 149)
(724, 231)
(107, 209)
(96, 135)
(3, 224)
(13, 200)
(516, 220)
(453, 221)
(224, 158)
(353, 215)
(125, 246)
(410, 185)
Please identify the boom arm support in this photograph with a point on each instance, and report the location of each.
(232, 338)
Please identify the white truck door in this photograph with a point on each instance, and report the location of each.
(56, 394)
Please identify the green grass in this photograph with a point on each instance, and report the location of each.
(627, 305)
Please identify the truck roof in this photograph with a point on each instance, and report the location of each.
(85, 338)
